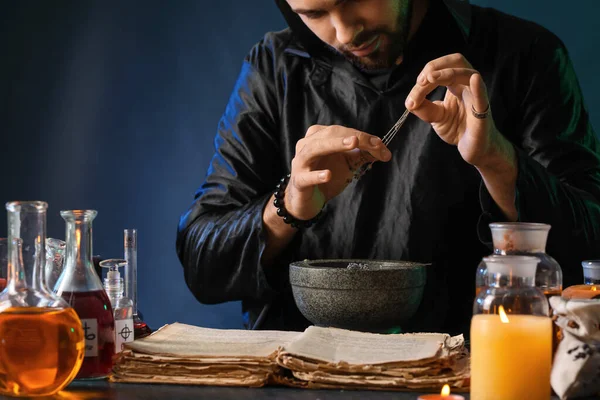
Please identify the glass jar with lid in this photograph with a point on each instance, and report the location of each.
(525, 238)
(511, 332)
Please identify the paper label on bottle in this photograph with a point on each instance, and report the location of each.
(123, 333)
(90, 331)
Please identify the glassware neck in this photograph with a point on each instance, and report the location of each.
(519, 237)
(511, 287)
(79, 236)
(79, 274)
(511, 271)
(26, 240)
(114, 295)
(113, 283)
(15, 277)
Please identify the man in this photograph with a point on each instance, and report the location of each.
(498, 131)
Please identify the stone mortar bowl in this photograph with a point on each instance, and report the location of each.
(378, 296)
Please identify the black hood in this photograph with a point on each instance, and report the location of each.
(308, 40)
(460, 10)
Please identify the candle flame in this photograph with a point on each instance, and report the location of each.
(503, 316)
(594, 288)
(446, 390)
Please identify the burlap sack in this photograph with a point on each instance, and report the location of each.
(576, 367)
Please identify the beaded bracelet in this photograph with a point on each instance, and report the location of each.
(283, 213)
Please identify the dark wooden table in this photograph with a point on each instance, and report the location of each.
(87, 390)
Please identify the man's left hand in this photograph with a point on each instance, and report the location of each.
(464, 119)
(455, 119)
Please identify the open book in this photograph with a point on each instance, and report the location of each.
(317, 357)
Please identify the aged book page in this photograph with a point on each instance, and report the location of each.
(160, 359)
(331, 345)
(295, 381)
(381, 381)
(250, 381)
(295, 363)
(187, 369)
(187, 341)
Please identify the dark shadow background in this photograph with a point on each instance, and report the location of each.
(113, 106)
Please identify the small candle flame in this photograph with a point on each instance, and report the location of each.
(503, 316)
(594, 288)
(446, 390)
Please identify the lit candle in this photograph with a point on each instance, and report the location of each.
(444, 395)
(511, 356)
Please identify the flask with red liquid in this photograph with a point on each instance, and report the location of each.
(81, 287)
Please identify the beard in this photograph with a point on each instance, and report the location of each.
(393, 43)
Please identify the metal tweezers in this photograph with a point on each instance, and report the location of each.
(387, 139)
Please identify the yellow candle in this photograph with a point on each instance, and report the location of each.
(510, 359)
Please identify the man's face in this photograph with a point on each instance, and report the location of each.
(370, 33)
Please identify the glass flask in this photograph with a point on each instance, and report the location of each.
(524, 238)
(41, 339)
(130, 245)
(55, 256)
(122, 306)
(591, 283)
(511, 333)
(80, 286)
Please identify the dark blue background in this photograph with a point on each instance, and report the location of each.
(113, 106)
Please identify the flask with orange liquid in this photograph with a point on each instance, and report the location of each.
(41, 339)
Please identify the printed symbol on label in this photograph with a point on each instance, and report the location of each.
(90, 330)
(88, 336)
(125, 332)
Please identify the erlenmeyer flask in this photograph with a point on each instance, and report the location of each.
(41, 339)
(81, 287)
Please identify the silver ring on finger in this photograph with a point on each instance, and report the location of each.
(480, 115)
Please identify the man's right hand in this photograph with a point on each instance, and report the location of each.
(325, 162)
